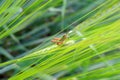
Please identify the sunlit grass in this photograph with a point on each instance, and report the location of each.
(91, 51)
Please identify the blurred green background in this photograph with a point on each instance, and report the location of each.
(46, 22)
(29, 25)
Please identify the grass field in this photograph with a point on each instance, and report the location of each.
(59, 40)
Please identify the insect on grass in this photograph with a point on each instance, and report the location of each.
(60, 41)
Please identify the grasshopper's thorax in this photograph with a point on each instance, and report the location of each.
(64, 37)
